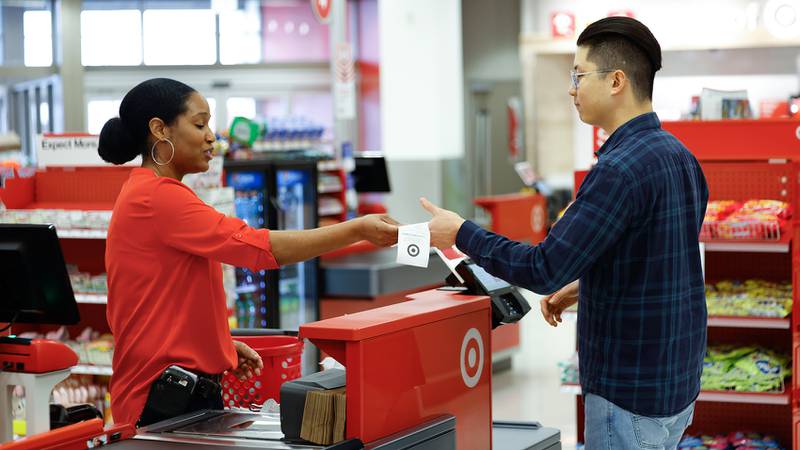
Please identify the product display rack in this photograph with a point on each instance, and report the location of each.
(332, 197)
(75, 189)
(744, 160)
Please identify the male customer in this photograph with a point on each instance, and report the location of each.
(626, 250)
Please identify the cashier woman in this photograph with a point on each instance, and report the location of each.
(166, 304)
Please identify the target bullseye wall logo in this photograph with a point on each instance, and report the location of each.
(413, 250)
(472, 357)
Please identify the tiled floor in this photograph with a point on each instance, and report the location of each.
(530, 390)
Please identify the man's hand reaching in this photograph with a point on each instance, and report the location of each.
(443, 225)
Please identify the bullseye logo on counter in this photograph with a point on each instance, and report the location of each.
(472, 357)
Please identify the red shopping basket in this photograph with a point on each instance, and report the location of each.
(281, 355)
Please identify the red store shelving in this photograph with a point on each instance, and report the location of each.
(744, 160)
(74, 189)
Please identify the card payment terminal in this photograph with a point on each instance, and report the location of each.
(508, 305)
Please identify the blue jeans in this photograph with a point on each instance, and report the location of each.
(609, 427)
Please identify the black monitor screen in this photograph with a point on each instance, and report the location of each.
(370, 174)
(34, 283)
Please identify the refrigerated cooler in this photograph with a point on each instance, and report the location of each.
(279, 195)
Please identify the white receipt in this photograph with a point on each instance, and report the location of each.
(414, 245)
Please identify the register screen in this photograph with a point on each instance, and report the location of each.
(489, 282)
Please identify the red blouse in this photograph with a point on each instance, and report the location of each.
(166, 303)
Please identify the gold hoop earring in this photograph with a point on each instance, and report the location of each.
(153, 152)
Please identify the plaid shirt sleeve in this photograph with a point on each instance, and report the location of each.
(591, 225)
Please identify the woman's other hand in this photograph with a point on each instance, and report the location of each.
(250, 362)
(380, 229)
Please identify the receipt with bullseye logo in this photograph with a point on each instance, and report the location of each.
(414, 245)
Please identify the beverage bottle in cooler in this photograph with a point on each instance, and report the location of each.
(251, 311)
(241, 311)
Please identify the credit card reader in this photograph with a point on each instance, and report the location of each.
(508, 305)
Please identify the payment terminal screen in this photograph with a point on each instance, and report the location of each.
(489, 282)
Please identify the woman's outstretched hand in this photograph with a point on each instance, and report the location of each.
(380, 229)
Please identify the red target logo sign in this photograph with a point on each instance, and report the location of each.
(322, 10)
(472, 357)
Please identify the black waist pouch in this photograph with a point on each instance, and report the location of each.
(178, 391)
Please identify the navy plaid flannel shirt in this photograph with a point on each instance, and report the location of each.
(631, 236)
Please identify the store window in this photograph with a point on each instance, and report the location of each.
(37, 29)
(111, 38)
(240, 34)
(26, 28)
(179, 36)
(206, 32)
(98, 113)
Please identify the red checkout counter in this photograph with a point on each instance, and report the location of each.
(418, 376)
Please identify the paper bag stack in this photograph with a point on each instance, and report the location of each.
(324, 416)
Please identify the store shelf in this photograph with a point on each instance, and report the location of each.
(87, 369)
(760, 398)
(719, 245)
(772, 323)
(329, 165)
(329, 189)
(81, 234)
(93, 299)
(749, 322)
(332, 211)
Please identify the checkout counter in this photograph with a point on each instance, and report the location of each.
(418, 376)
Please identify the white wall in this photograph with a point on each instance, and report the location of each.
(421, 79)
(412, 179)
(491, 39)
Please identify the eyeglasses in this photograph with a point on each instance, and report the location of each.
(576, 76)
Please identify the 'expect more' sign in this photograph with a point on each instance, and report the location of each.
(72, 149)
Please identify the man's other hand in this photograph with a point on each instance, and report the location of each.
(554, 304)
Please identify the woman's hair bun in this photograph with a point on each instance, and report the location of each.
(117, 146)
